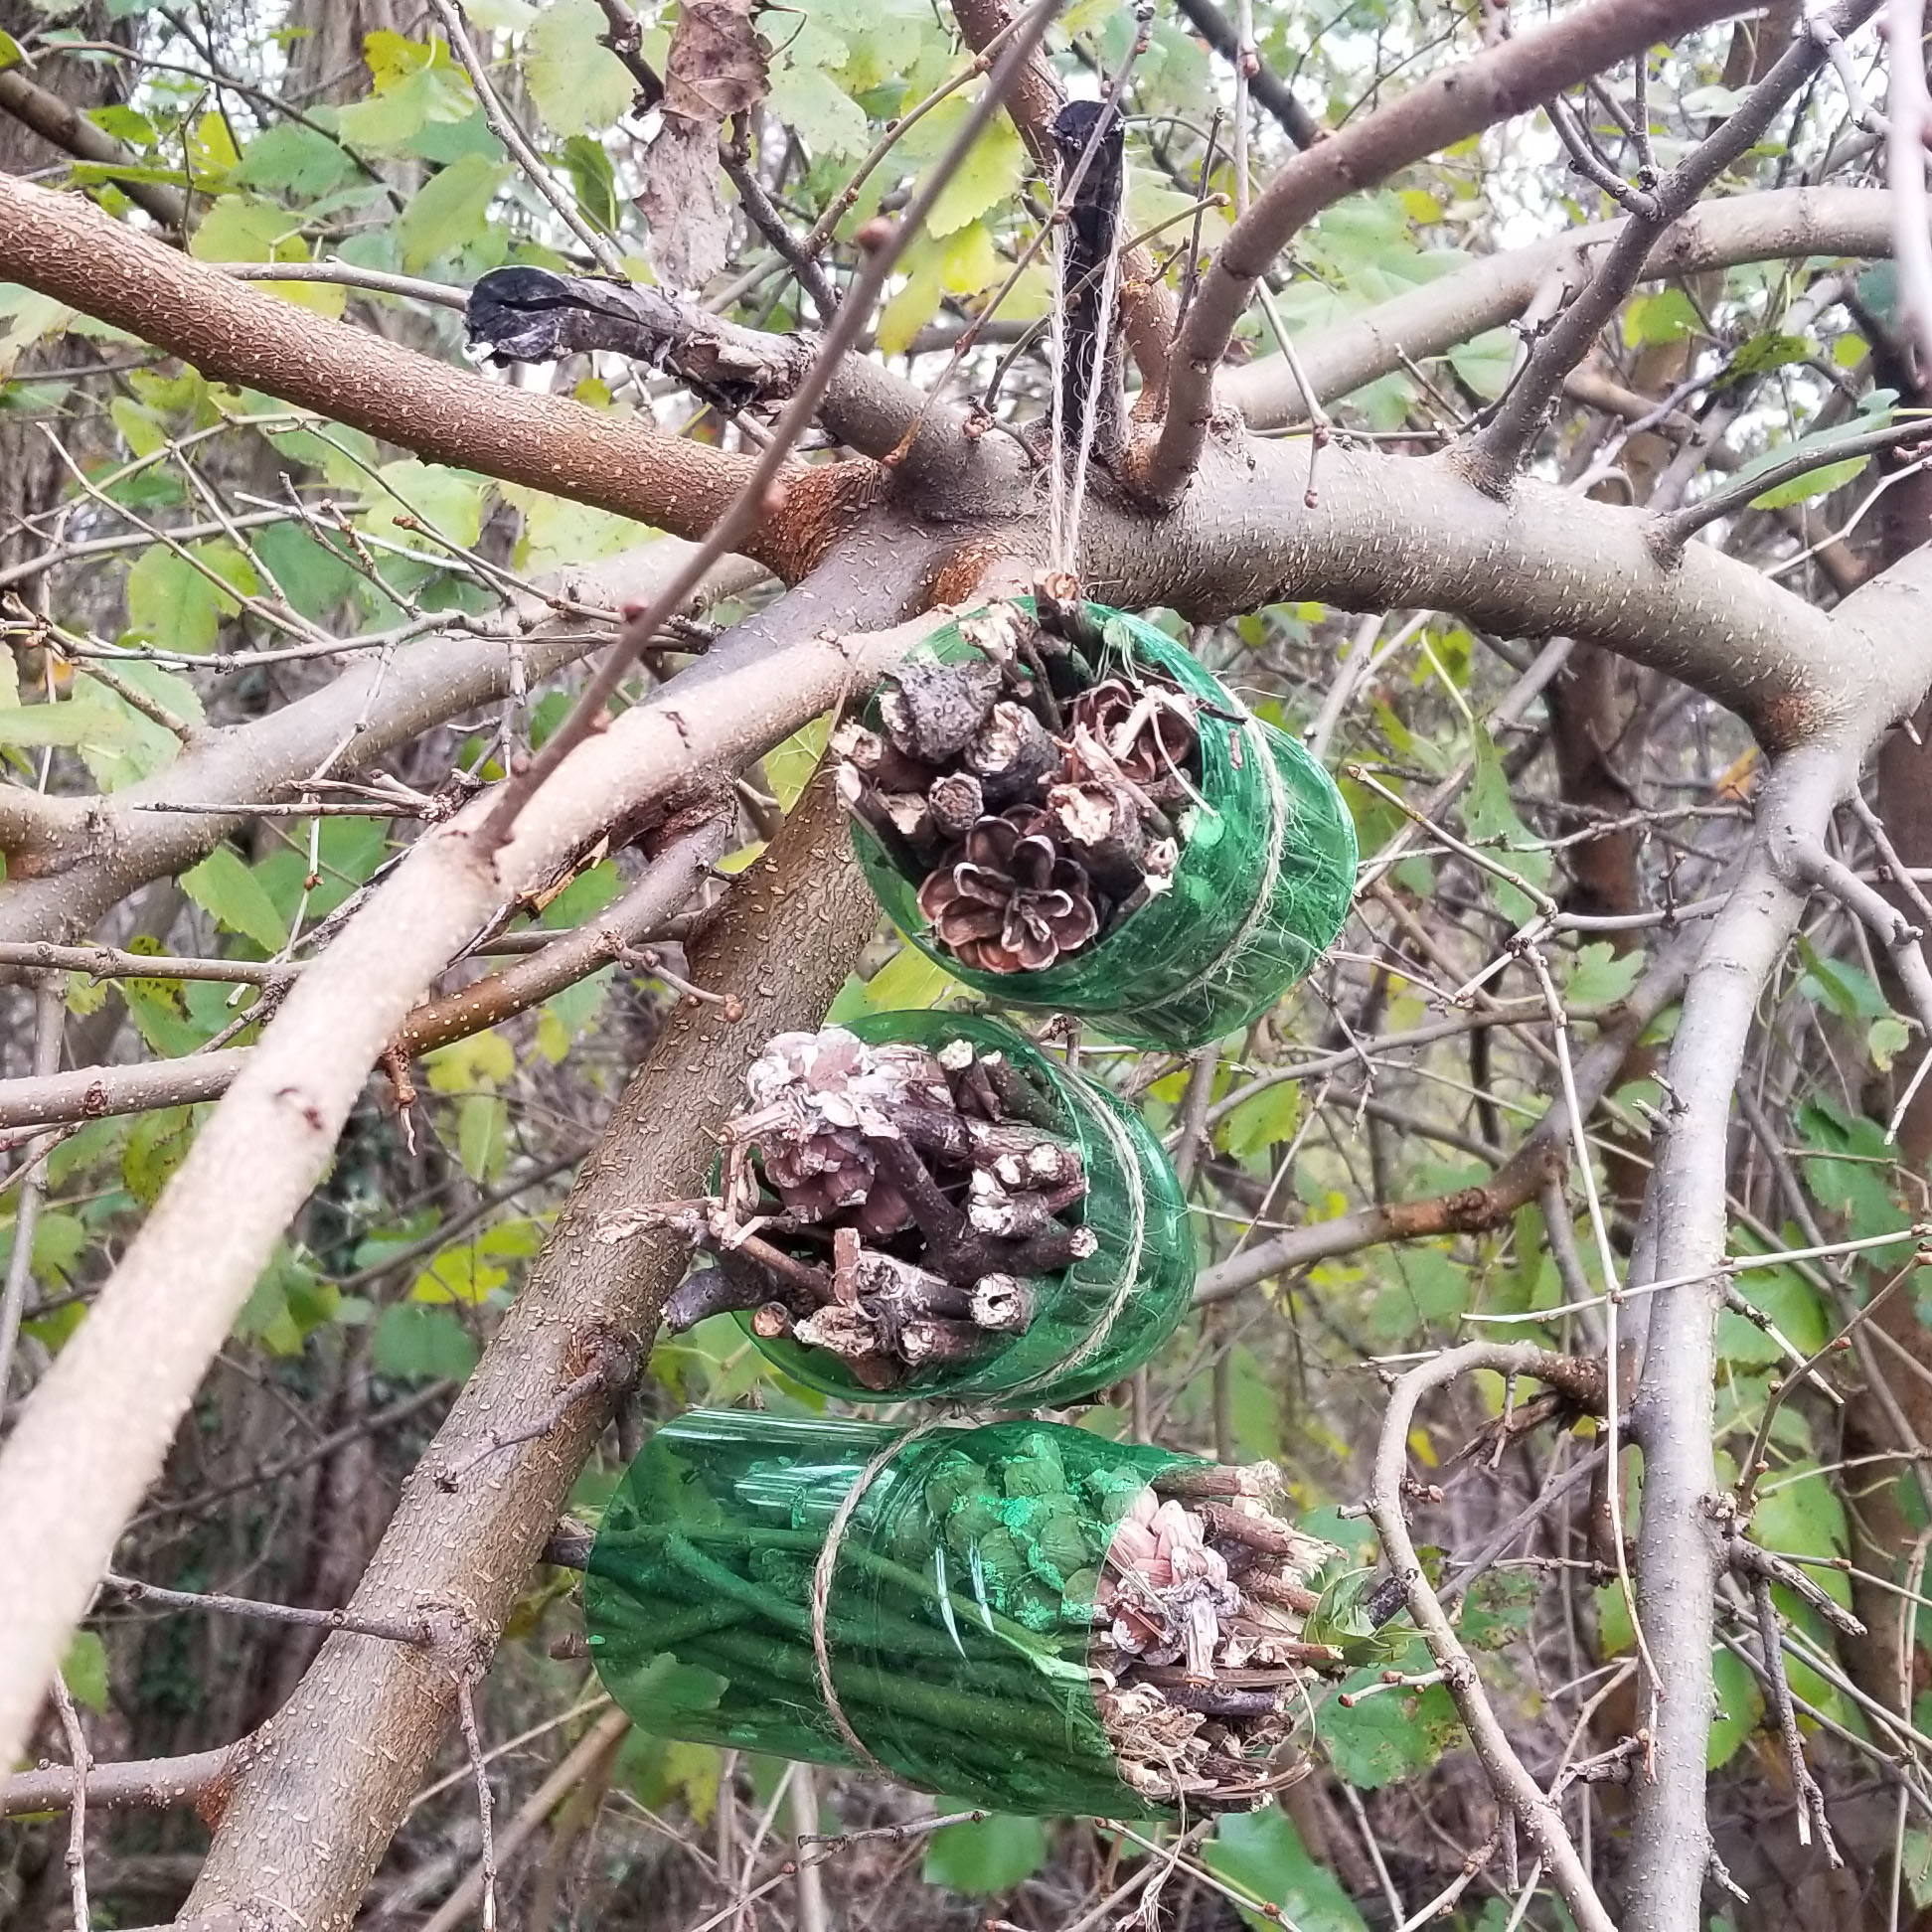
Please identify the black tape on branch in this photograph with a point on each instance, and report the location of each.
(1090, 369)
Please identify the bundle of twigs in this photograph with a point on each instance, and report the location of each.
(891, 1205)
(1199, 1646)
(1034, 800)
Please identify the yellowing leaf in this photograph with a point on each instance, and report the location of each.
(988, 175)
(579, 84)
(484, 1060)
(909, 312)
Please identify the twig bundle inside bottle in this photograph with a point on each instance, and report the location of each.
(925, 1204)
(1059, 805)
(1024, 1615)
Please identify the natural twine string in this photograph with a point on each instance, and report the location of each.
(822, 1592)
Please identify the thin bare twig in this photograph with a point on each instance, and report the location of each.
(82, 1763)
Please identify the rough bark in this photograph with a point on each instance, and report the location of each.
(310, 1816)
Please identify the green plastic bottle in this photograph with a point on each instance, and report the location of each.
(957, 1617)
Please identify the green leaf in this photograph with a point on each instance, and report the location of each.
(1263, 1121)
(1918, 1865)
(157, 1144)
(10, 54)
(1793, 1305)
(482, 1123)
(418, 1343)
(1740, 1704)
(990, 174)
(557, 532)
(247, 228)
(826, 118)
(1665, 316)
(1847, 990)
(1799, 1513)
(416, 86)
(909, 311)
(1814, 483)
(448, 212)
(908, 981)
(315, 574)
(1391, 1736)
(174, 605)
(449, 500)
(295, 160)
(1490, 817)
(484, 1059)
(1600, 976)
(578, 84)
(1886, 1038)
(222, 884)
(594, 179)
(1263, 1854)
(1485, 362)
(788, 766)
(84, 1670)
(991, 1856)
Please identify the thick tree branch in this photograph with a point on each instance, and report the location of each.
(1546, 564)
(1508, 80)
(64, 125)
(93, 1093)
(1780, 223)
(95, 1430)
(1494, 458)
(82, 856)
(63, 246)
(155, 1782)
(311, 1817)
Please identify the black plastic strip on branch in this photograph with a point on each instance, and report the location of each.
(752, 501)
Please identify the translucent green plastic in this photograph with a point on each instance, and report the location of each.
(1222, 947)
(1103, 1317)
(957, 1621)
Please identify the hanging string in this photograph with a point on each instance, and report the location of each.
(1092, 147)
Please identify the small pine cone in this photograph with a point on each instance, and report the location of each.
(1009, 902)
(1149, 733)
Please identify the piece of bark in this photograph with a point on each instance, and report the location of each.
(931, 710)
(1012, 753)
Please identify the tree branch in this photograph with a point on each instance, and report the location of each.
(1498, 450)
(87, 853)
(1780, 223)
(1508, 80)
(311, 1817)
(64, 125)
(63, 246)
(1511, 1780)
(1267, 86)
(93, 1432)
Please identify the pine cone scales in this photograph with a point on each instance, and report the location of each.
(1148, 733)
(1010, 903)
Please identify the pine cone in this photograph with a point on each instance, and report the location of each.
(1149, 733)
(1009, 902)
(815, 1098)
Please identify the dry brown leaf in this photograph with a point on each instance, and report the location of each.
(716, 69)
